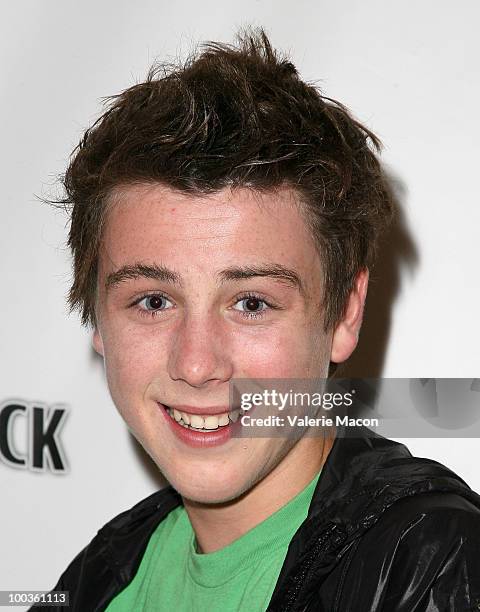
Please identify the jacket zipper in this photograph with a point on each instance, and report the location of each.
(299, 580)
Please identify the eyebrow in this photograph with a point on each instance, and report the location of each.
(164, 274)
(139, 270)
(275, 271)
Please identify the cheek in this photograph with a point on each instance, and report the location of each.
(286, 353)
(132, 360)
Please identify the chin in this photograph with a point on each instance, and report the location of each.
(208, 490)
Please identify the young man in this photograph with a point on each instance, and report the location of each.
(224, 216)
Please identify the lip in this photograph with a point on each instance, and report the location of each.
(198, 439)
(205, 410)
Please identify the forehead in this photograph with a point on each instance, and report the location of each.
(154, 223)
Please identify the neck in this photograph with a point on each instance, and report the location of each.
(218, 525)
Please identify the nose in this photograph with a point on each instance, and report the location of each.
(200, 352)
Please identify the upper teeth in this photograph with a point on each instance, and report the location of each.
(196, 421)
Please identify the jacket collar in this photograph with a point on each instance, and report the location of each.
(364, 474)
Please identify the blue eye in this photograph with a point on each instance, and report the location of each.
(251, 304)
(151, 305)
(154, 302)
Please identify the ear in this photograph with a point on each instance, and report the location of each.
(97, 342)
(345, 336)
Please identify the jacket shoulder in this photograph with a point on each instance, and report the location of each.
(134, 522)
(421, 555)
(110, 560)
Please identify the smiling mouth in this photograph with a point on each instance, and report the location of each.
(206, 423)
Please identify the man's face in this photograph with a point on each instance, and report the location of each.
(230, 288)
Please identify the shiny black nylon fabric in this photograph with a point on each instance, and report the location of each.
(385, 532)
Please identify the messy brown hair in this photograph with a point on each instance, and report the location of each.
(233, 116)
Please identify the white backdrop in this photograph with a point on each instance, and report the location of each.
(408, 70)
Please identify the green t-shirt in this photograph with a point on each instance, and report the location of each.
(240, 576)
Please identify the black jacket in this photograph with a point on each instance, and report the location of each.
(385, 531)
